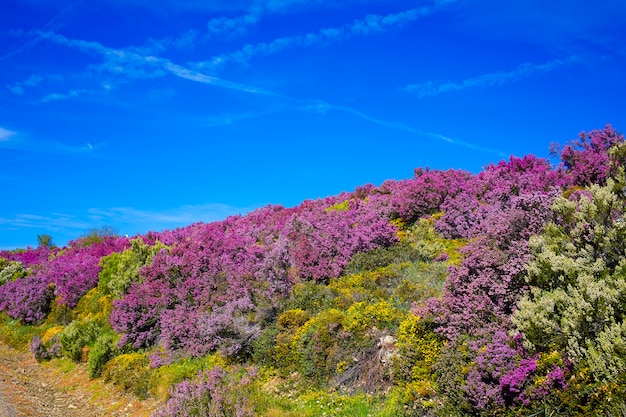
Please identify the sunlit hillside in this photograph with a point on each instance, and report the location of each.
(501, 293)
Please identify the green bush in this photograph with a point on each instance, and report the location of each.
(76, 336)
(264, 347)
(382, 257)
(15, 334)
(10, 271)
(131, 372)
(310, 297)
(292, 319)
(104, 349)
(120, 269)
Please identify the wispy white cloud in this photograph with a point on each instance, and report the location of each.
(185, 41)
(233, 27)
(324, 107)
(6, 135)
(32, 81)
(433, 88)
(53, 222)
(131, 64)
(58, 96)
(133, 219)
(199, 77)
(369, 25)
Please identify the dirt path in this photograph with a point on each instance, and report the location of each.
(28, 388)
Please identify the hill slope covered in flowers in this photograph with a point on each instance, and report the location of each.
(449, 293)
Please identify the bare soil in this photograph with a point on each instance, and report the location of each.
(60, 389)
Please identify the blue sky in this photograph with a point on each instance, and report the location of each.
(149, 115)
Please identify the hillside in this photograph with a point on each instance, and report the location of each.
(501, 293)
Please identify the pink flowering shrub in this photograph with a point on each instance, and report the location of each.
(27, 299)
(75, 271)
(422, 195)
(198, 297)
(587, 158)
(214, 393)
(29, 257)
(494, 189)
(323, 241)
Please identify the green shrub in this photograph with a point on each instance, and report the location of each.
(362, 316)
(309, 296)
(104, 349)
(76, 336)
(96, 235)
(60, 314)
(94, 306)
(10, 271)
(131, 372)
(413, 367)
(15, 334)
(120, 269)
(367, 286)
(382, 257)
(264, 347)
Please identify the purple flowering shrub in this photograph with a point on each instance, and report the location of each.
(324, 239)
(481, 292)
(501, 210)
(28, 257)
(206, 292)
(495, 190)
(45, 351)
(587, 159)
(214, 393)
(27, 299)
(422, 195)
(277, 279)
(75, 270)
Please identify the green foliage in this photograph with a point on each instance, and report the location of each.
(419, 243)
(577, 302)
(418, 349)
(310, 349)
(60, 314)
(104, 349)
(263, 347)
(10, 271)
(382, 257)
(321, 404)
(450, 372)
(343, 206)
(309, 296)
(401, 284)
(120, 269)
(76, 336)
(16, 334)
(45, 240)
(130, 372)
(96, 235)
